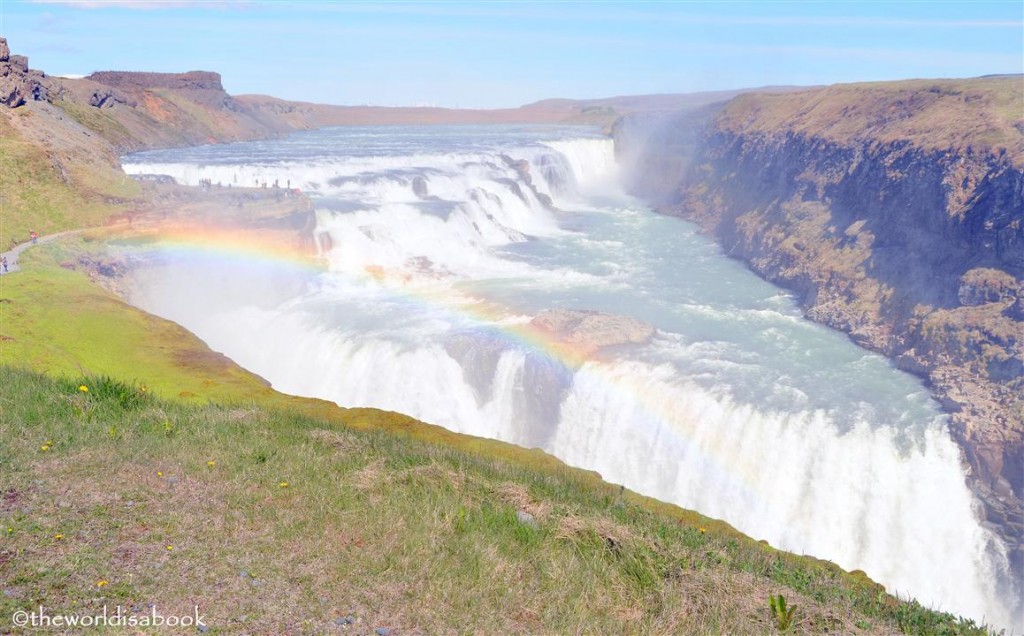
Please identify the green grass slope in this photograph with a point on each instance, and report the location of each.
(55, 320)
(273, 522)
(51, 189)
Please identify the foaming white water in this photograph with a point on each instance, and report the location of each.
(592, 162)
(792, 478)
(738, 409)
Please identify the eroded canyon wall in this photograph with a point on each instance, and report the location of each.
(895, 211)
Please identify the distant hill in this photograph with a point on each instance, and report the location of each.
(625, 104)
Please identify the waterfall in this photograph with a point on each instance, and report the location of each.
(738, 408)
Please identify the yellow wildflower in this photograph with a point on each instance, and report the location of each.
(83, 389)
(102, 583)
(283, 484)
(703, 530)
(58, 537)
(143, 388)
(170, 548)
(44, 448)
(10, 530)
(159, 473)
(211, 463)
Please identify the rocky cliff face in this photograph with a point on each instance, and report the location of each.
(129, 80)
(910, 242)
(137, 111)
(18, 83)
(202, 87)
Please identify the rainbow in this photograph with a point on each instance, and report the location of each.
(194, 240)
(285, 252)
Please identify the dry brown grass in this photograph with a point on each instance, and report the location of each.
(517, 496)
(340, 441)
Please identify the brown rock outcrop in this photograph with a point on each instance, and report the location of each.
(587, 331)
(981, 286)
(108, 97)
(19, 63)
(12, 91)
(128, 80)
(202, 87)
(17, 83)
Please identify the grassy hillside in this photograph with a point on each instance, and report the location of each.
(90, 331)
(273, 522)
(50, 189)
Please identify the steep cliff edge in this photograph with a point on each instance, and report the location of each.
(896, 212)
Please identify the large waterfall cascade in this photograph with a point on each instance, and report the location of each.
(446, 241)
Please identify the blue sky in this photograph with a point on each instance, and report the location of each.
(494, 54)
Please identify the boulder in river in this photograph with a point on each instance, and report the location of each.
(588, 330)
